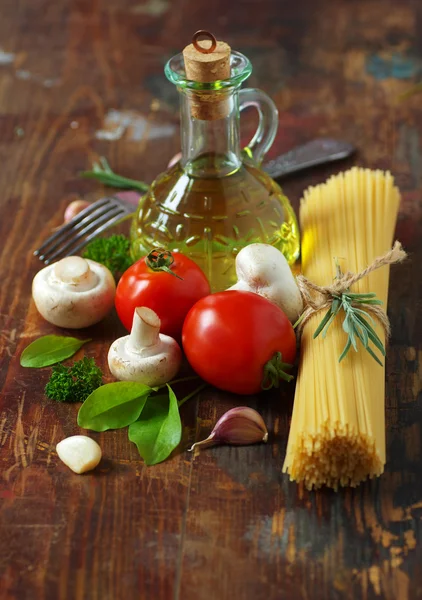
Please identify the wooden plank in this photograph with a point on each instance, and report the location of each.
(112, 533)
(227, 524)
(264, 536)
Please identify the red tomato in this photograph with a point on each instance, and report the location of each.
(167, 295)
(229, 337)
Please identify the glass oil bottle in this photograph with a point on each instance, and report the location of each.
(216, 200)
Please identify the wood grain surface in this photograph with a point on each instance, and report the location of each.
(84, 78)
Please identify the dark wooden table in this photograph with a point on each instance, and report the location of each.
(227, 524)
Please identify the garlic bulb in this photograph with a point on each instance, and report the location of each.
(239, 426)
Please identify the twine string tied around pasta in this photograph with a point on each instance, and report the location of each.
(316, 297)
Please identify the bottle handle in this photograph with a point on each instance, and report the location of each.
(267, 126)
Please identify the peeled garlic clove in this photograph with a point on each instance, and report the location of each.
(239, 426)
(79, 452)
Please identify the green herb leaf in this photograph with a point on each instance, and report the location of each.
(335, 308)
(324, 322)
(49, 350)
(360, 311)
(372, 353)
(113, 405)
(348, 327)
(374, 302)
(362, 335)
(328, 318)
(345, 349)
(355, 296)
(372, 334)
(75, 383)
(357, 322)
(112, 251)
(159, 429)
(101, 171)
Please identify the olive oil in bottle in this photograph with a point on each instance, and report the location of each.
(216, 200)
(212, 218)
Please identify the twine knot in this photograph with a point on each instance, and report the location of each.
(316, 297)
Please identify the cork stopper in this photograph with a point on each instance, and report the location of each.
(208, 61)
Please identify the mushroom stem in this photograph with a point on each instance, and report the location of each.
(145, 356)
(75, 271)
(145, 329)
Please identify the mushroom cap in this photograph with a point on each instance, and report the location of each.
(264, 270)
(258, 263)
(75, 295)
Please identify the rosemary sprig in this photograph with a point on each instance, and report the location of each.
(101, 171)
(358, 323)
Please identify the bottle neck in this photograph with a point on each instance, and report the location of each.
(210, 148)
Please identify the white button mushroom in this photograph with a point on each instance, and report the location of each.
(146, 355)
(79, 452)
(74, 292)
(262, 269)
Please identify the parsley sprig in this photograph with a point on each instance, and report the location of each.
(74, 383)
(112, 251)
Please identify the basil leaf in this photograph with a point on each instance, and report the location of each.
(159, 429)
(113, 405)
(49, 350)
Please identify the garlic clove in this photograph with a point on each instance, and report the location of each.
(74, 208)
(176, 158)
(79, 452)
(239, 426)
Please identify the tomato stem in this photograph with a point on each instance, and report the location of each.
(274, 370)
(161, 259)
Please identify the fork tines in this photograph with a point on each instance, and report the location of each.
(83, 228)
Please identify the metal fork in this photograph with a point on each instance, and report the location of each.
(83, 228)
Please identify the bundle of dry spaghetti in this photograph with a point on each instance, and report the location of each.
(337, 433)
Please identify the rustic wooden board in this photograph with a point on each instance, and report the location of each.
(80, 79)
